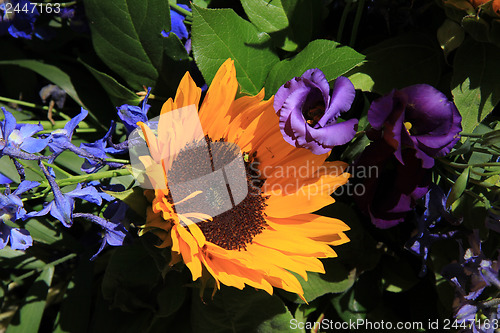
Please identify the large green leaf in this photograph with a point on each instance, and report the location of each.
(127, 37)
(219, 34)
(118, 93)
(233, 310)
(475, 84)
(336, 279)
(268, 16)
(29, 315)
(399, 62)
(77, 303)
(51, 73)
(331, 57)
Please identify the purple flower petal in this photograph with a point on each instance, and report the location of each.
(342, 97)
(20, 239)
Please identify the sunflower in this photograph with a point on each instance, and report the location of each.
(272, 231)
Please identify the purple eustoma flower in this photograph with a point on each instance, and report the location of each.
(308, 112)
(418, 117)
(393, 190)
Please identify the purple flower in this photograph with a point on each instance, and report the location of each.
(435, 201)
(11, 209)
(418, 117)
(308, 112)
(60, 139)
(99, 149)
(115, 232)
(177, 24)
(394, 188)
(16, 140)
(130, 115)
(18, 17)
(53, 93)
(63, 204)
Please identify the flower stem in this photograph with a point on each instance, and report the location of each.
(465, 166)
(34, 106)
(117, 160)
(347, 8)
(357, 19)
(181, 10)
(94, 176)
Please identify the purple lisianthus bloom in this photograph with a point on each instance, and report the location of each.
(418, 117)
(391, 188)
(18, 17)
(308, 112)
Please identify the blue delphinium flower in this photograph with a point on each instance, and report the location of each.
(63, 204)
(99, 149)
(130, 115)
(114, 231)
(16, 140)
(471, 276)
(60, 139)
(435, 203)
(177, 24)
(17, 18)
(11, 209)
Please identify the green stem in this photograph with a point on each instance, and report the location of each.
(34, 106)
(78, 130)
(117, 160)
(347, 8)
(465, 166)
(53, 263)
(357, 19)
(55, 167)
(181, 10)
(93, 176)
(35, 170)
(471, 135)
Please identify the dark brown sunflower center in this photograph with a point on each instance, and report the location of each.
(232, 229)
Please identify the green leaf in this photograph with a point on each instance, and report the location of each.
(458, 188)
(127, 37)
(219, 34)
(51, 73)
(268, 16)
(399, 62)
(14, 259)
(475, 85)
(130, 278)
(305, 19)
(337, 279)
(118, 93)
(134, 198)
(29, 315)
(172, 295)
(330, 57)
(77, 303)
(233, 310)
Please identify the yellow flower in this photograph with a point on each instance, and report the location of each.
(272, 231)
